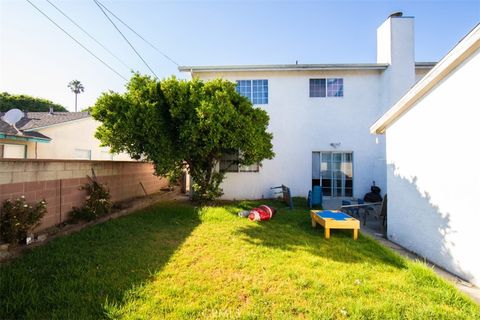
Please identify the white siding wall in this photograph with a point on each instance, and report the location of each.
(433, 159)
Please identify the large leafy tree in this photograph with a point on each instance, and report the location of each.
(27, 103)
(184, 124)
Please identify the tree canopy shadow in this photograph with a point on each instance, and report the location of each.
(74, 276)
(292, 230)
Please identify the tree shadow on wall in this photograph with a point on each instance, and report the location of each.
(420, 225)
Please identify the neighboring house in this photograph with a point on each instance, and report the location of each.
(433, 139)
(53, 135)
(320, 116)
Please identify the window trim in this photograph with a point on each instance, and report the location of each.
(326, 87)
(240, 168)
(8, 143)
(81, 150)
(251, 90)
(353, 179)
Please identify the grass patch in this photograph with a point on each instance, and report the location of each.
(175, 261)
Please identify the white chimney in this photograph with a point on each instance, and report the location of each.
(395, 47)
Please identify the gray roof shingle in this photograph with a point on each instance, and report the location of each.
(36, 120)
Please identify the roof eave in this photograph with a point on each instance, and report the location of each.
(296, 67)
(424, 65)
(7, 136)
(284, 67)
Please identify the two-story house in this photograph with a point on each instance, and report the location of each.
(320, 115)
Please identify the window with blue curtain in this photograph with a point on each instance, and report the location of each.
(255, 90)
(244, 87)
(260, 91)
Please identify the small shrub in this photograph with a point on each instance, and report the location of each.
(81, 214)
(174, 177)
(97, 202)
(18, 218)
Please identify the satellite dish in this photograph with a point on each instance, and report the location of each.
(12, 117)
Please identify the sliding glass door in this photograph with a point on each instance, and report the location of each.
(333, 171)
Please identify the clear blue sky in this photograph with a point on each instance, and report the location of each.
(38, 59)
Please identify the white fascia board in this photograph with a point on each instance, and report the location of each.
(467, 46)
(284, 67)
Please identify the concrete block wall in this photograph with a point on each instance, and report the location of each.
(59, 182)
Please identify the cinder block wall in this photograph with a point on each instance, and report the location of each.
(59, 182)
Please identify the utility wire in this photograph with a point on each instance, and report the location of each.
(138, 35)
(125, 38)
(78, 42)
(89, 35)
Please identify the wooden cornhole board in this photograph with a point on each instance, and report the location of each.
(333, 219)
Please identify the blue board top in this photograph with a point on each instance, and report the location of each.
(333, 215)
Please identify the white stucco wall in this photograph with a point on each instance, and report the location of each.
(395, 46)
(302, 125)
(433, 179)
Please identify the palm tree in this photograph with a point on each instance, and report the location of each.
(76, 87)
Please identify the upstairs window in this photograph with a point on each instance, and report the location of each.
(255, 90)
(317, 88)
(335, 87)
(326, 87)
(244, 87)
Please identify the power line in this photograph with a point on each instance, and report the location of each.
(125, 38)
(78, 42)
(138, 35)
(89, 35)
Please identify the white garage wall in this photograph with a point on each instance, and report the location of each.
(433, 157)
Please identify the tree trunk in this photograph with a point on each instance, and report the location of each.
(75, 102)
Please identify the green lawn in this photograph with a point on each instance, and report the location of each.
(172, 261)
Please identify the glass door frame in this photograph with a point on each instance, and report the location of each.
(333, 188)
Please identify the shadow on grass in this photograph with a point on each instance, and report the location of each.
(292, 230)
(73, 277)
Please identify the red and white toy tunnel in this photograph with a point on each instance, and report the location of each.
(261, 213)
